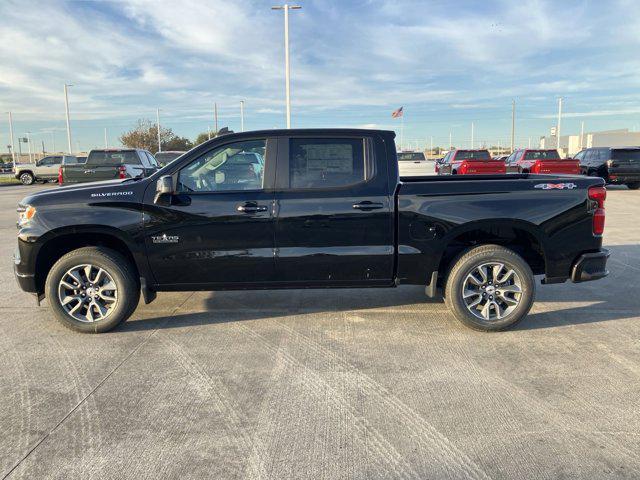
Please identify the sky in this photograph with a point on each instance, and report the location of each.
(448, 63)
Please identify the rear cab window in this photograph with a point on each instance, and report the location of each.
(542, 155)
(631, 155)
(318, 163)
(410, 156)
(114, 158)
(472, 155)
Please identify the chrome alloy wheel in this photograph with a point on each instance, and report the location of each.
(87, 293)
(492, 291)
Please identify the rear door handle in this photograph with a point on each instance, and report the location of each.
(251, 207)
(368, 205)
(89, 171)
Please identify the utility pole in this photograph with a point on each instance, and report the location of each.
(513, 123)
(29, 145)
(472, 126)
(66, 109)
(106, 143)
(529, 142)
(559, 121)
(581, 133)
(209, 132)
(158, 128)
(242, 115)
(13, 153)
(287, 72)
(450, 144)
(215, 117)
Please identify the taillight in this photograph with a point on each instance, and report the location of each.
(535, 168)
(122, 171)
(598, 194)
(60, 175)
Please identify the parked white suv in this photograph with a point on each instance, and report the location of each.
(42, 170)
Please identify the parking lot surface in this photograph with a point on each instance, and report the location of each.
(327, 384)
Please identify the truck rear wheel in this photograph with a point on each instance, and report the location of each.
(92, 289)
(27, 178)
(633, 185)
(490, 288)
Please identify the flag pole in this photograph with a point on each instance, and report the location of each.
(401, 130)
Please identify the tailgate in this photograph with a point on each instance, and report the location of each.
(479, 167)
(569, 166)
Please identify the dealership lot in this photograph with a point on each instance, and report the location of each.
(330, 384)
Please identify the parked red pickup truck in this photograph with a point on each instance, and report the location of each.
(470, 162)
(541, 161)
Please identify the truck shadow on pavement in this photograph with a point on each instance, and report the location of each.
(613, 298)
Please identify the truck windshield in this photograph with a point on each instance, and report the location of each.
(542, 155)
(631, 155)
(410, 156)
(473, 155)
(128, 157)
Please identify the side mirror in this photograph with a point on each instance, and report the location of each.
(164, 189)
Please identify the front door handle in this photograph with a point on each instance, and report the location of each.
(252, 208)
(368, 205)
(89, 171)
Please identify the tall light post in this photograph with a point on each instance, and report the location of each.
(13, 153)
(559, 121)
(106, 143)
(242, 115)
(450, 141)
(66, 110)
(287, 72)
(29, 145)
(215, 118)
(158, 128)
(472, 132)
(513, 124)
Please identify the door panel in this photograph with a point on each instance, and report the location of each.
(219, 229)
(333, 235)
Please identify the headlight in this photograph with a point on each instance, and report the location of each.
(25, 214)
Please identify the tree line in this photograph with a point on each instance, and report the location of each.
(145, 135)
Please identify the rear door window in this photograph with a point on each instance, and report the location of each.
(327, 162)
(542, 155)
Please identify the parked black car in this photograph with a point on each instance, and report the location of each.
(616, 165)
(304, 209)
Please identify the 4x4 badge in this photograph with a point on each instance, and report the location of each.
(556, 186)
(164, 238)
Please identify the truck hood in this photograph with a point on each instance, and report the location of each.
(82, 191)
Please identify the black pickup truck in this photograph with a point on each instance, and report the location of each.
(307, 209)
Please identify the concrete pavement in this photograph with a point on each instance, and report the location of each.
(328, 384)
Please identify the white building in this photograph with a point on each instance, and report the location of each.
(572, 144)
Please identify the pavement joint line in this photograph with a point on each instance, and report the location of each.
(80, 403)
(68, 414)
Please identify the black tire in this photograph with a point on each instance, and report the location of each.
(465, 265)
(633, 185)
(27, 178)
(116, 266)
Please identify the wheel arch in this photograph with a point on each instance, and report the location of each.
(62, 241)
(520, 236)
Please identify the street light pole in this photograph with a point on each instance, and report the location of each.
(559, 121)
(215, 117)
(450, 141)
(242, 115)
(106, 144)
(158, 128)
(513, 123)
(472, 126)
(66, 109)
(29, 145)
(13, 153)
(287, 72)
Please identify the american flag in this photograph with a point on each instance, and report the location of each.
(397, 113)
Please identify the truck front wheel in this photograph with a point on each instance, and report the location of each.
(27, 178)
(92, 289)
(490, 288)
